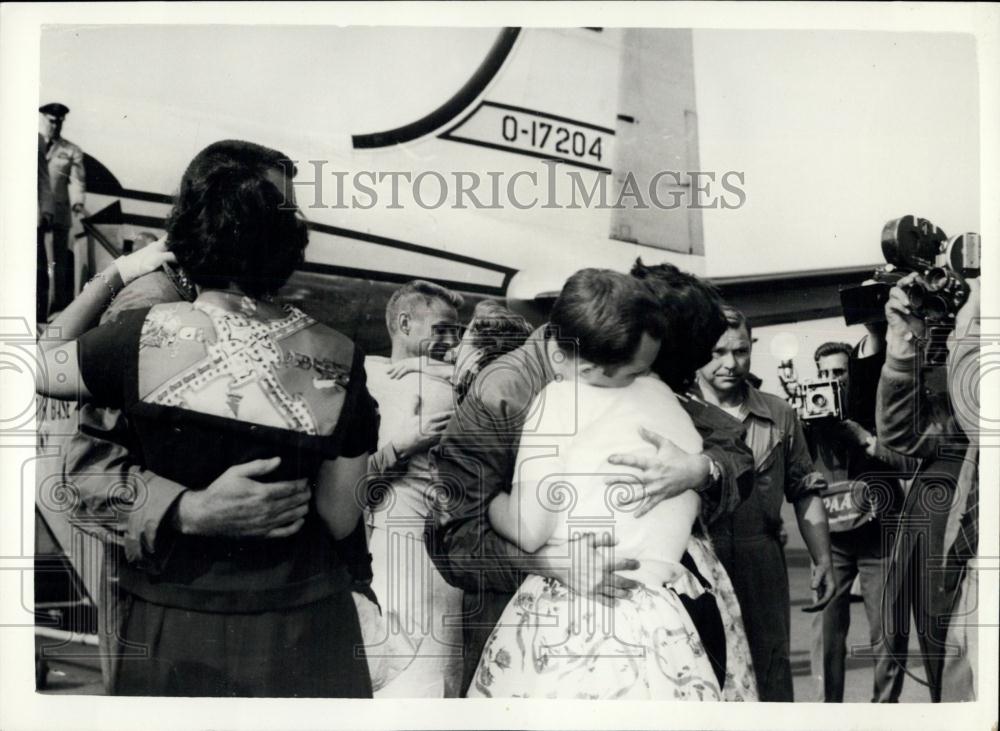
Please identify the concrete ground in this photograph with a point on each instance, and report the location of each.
(73, 668)
(858, 681)
(859, 675)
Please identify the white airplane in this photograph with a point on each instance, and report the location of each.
(550, 116)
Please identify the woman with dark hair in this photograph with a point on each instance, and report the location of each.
(693, 310)
(230, 378)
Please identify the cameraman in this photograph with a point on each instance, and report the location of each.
(863, 493)
(932, 413)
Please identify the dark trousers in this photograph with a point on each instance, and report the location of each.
(62, 269)
(480, 613)
(756, 566)
(920, 580)
(41, 279)
(857, 552)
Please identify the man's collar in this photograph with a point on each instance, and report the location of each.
(756, 404)
(539, 341)
(753, 402)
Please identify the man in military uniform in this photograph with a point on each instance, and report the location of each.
(44, 224)
(65, 166)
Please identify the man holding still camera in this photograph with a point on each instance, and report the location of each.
(932, 412)
(862, 495)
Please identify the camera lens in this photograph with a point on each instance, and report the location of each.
(936, 307)
(818, 400)
(916, 294)
(937, 278)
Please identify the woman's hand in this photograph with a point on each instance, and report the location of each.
(147, 259)
(419, 432)
(403, 367)
(81, 314)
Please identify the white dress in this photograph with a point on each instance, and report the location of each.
(551, 643)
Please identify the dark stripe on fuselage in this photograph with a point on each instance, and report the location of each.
(416, 248)
(441, 116)
(142, 195)
(136, 219)
(392, 277)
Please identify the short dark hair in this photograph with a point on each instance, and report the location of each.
(231, 225)
(692, 308)
(606, 313)
(735, 320)
(832, 348)
(417, 290)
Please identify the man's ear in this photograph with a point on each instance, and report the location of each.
(404, 322)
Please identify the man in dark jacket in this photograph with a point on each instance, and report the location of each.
(476, 457)
(931, 412)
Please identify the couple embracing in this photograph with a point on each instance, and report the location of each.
(583, 479)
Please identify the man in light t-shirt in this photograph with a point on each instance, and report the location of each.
(417, 604)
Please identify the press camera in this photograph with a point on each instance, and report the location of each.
(813, 399)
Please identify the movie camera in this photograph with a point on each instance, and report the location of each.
(911, 244)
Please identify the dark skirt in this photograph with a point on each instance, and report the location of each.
(310, 651)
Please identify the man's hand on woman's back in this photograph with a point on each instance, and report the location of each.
(238, 505)
(669, 473)
(587, 566)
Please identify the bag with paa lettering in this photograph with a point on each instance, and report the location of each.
(56, 421)
(848, 505)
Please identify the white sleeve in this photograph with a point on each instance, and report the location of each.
(536, 490)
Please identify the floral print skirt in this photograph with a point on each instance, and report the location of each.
(551, 643)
